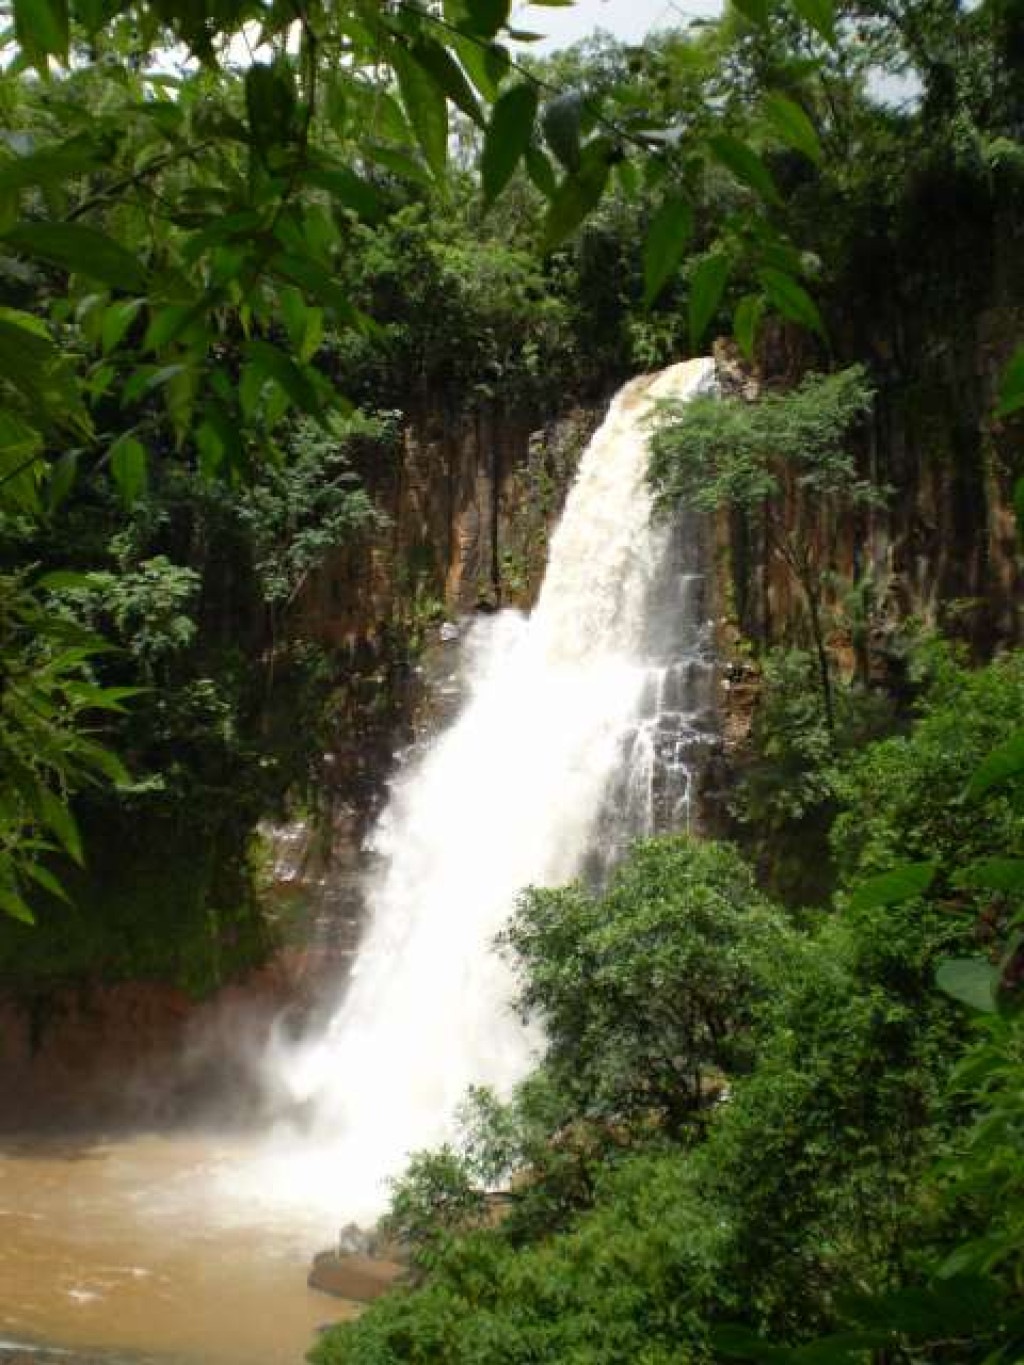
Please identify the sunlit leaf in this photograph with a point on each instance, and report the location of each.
(745, 322)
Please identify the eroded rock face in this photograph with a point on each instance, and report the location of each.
(468, 501)
(934, 307)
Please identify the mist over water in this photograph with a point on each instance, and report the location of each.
(549, 767)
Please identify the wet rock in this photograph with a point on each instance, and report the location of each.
(354, 1275)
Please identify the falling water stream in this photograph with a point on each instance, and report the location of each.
(577, 733)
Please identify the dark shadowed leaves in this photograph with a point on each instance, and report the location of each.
(667, 239)
(507, 138)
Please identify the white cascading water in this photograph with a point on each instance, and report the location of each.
(554, 750)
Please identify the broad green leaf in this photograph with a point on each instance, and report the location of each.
(820, 15)
(667, 238)
(270, 102)
(350, 190)
(485, 17)
(13, 904)
(426, 107)
(957, 1307)
(485, 65)
(541, 172)
(117, 318)
(706, 290)
(167, 324)
(745, 322)
(315, 280)
(32, 364)
(791, 299)
(80, 250)
(789, 123)
(61, 580)
(62, 479)
(890, 888)
(55, 815)
(50, 165)
(507, 138)
(1011, 388)
(21, 447)
(400, 163)
(993, 874)
(754, 10)
(739, 1342)
(560, 121)
(745, 165)
(575, 197)
(971, 980)
(41, 27)
(448, 76)
(273, 364)
(45, 878)
(1002, 765)
(128, 468)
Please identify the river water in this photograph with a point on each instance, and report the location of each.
(134, 1246)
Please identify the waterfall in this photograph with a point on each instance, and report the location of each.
(572, 737)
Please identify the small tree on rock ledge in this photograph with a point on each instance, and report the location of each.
(729, 453)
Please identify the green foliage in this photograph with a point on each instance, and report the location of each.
(854, 1187)
(783, 462)
(646, 992)
(905, 795)
(50, 705)
(716, 453)
(785, 796)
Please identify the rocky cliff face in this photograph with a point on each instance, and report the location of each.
(935, 311)
(467, 505)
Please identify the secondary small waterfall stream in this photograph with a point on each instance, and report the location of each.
(579, 731)
(570, 737)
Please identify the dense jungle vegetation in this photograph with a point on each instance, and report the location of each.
(780, 1117)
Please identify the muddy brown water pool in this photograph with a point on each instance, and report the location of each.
(125, 1248)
